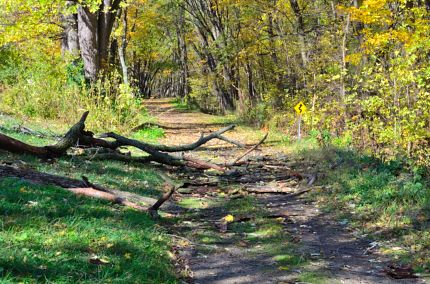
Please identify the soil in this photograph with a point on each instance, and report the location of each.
(333, 250)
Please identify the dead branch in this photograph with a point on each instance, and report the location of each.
(80, 187)
(162, 157)
(270, 189)
(153, 210)
(238, 144)
(203, 165)
(249, 151)
(68, 140)
(164, 148)
(77, 134)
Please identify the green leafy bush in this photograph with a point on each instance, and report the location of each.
(52, 88)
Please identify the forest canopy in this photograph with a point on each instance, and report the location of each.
(361, 67)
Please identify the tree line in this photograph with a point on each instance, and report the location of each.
(361, 67)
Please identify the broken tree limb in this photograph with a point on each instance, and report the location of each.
(164, 148)
(79, 187)
(68, 140)
(161, 157)
(153, 210)
(249, 151)
(238, 144)
(203, 165)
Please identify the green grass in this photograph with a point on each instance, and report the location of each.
(49, 235)
(389, 200)
(181, 105)
(149, 134)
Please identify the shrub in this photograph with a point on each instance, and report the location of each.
(52, 88)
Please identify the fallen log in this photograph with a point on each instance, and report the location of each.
(162, 157)
(78, 187)
(270, 189)
(164, 148)
(68, 140)
(77, 134)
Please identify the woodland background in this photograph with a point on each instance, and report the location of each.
(361, 67)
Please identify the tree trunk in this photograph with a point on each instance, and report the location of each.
(70, 40)
(301, 30)
(88, 41)
(122, 48)
(94, 30)
(184, 87)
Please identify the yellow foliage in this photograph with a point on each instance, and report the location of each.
(229, 218)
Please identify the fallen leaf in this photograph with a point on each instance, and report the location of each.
(229, 218)
(98, 261)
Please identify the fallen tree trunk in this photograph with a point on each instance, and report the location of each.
(120, 141)
(162, 157)
(69, 139)
(77, 134)
(78, 187)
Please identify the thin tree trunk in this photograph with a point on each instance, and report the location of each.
(301, 30)
(122, 48)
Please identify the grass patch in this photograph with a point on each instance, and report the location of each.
(182, 105)
(389, 200)
(48, 234)
(152, 134)
(197, 203)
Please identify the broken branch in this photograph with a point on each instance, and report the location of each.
(249, 151)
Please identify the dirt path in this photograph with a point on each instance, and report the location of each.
(302, 245)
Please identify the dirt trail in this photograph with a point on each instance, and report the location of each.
(333, 252)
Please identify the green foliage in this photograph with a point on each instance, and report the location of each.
(9, 62)
(257, 114)
(50, 88)
(391, 196)
(75, 73)
(149, 134)
(185, 104)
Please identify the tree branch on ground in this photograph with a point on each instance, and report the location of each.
(237, 160)
(81, 187)
(60, 148)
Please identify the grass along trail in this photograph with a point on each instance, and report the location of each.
(274, 238)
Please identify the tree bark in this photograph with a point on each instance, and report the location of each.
(70, 39)
(122, 47)
(70, 138)
(88, 41)
(94, 31)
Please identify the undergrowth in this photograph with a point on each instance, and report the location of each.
(390, 200)
(53, 88)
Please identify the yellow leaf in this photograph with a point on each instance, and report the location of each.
(229, 218)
